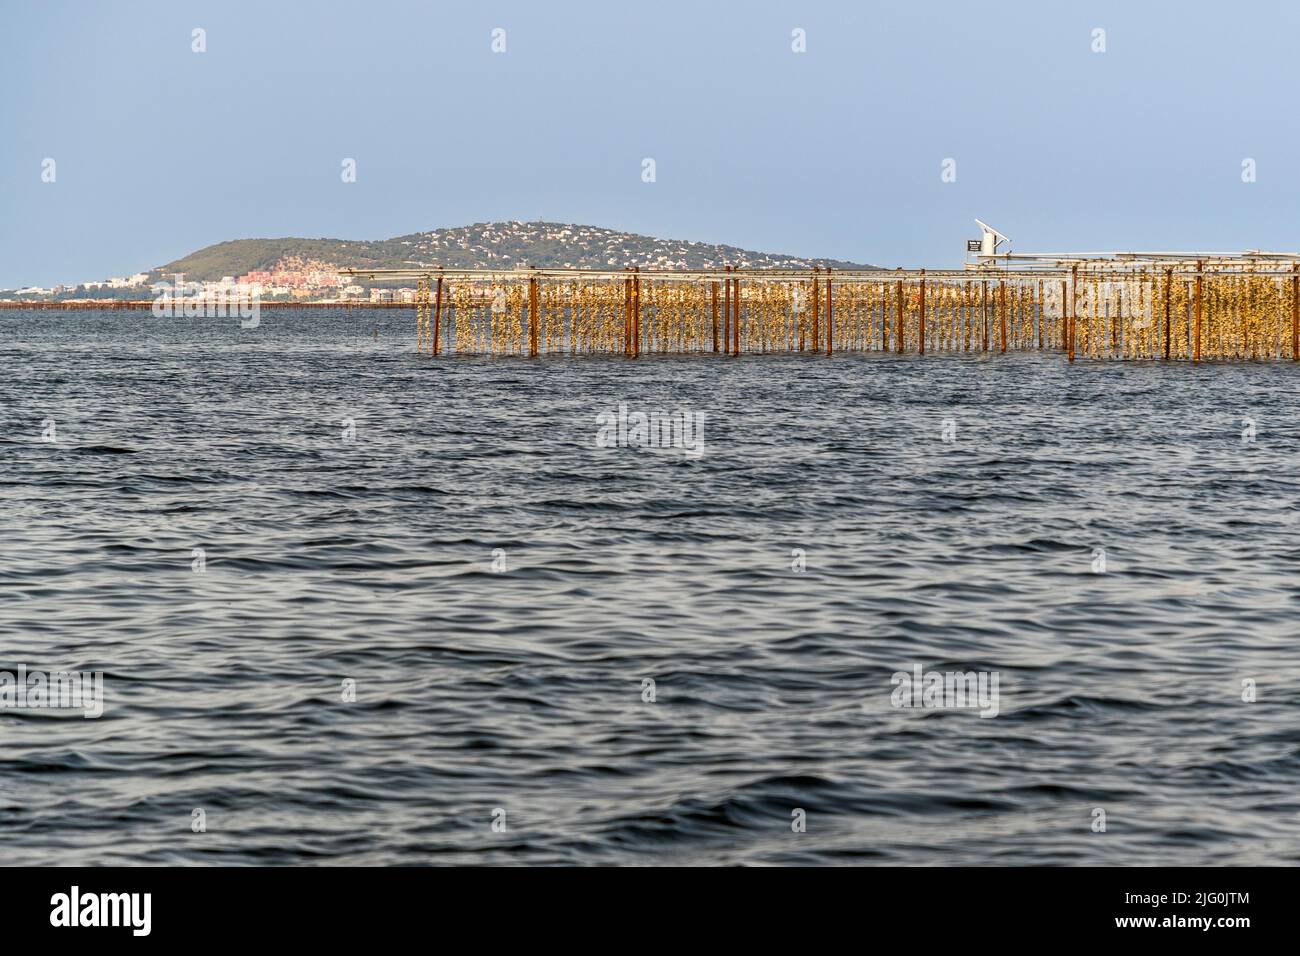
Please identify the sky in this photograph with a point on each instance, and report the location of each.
(838, 151)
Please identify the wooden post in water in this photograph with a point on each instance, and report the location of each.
(1196, 355)
(532, 316)
(1002, 312)
(898, 317)
(921, 324)
(714, 285)
(437, 316)
(830, 321)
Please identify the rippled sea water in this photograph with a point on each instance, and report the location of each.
(372, 560)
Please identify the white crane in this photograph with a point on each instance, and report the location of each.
(988, 242)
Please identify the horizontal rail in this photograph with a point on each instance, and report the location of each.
(1273, 265)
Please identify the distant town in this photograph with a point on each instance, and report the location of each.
(306, 270)
(292, 278)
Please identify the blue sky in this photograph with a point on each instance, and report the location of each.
(833, 152)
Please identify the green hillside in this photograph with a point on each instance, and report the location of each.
(238, 256)
(484, 246)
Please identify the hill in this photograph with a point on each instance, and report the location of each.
(487, 245)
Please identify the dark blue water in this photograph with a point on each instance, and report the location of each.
(371, 560)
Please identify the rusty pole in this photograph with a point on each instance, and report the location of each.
(437, 316)
(1197, 350)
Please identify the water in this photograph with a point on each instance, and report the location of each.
(371, 560)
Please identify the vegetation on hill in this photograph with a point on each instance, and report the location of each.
(485, 246)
